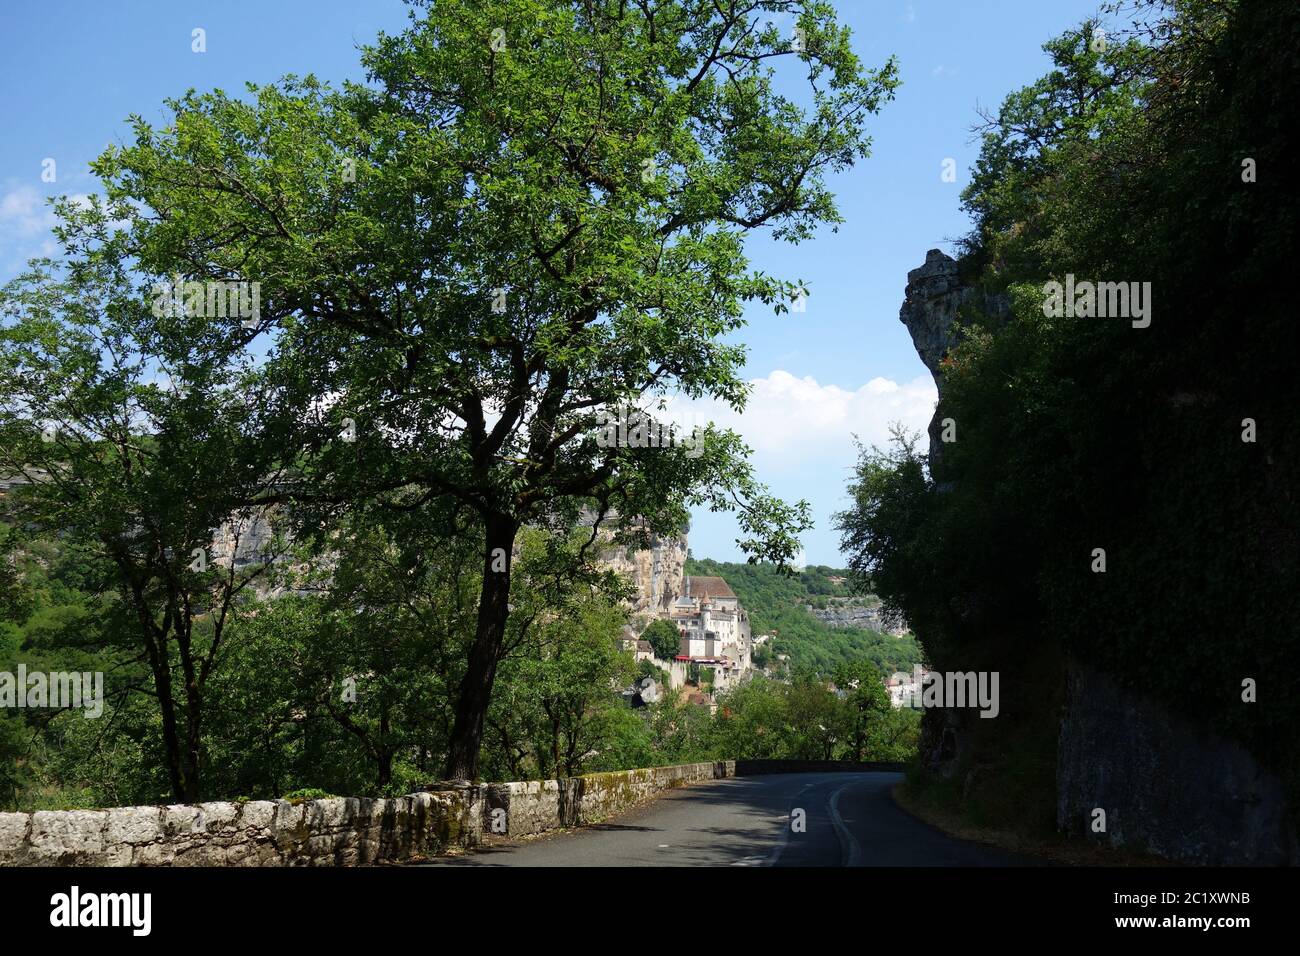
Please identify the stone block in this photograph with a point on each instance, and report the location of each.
(133, 825)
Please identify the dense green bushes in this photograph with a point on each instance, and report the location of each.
(349, 689)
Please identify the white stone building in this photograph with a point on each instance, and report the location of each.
(714, 629)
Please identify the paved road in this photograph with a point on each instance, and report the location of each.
(851, 820)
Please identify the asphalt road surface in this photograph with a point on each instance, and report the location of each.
(849, 819)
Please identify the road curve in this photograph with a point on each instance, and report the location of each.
(850, 819)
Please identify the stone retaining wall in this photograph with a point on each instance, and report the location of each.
(331, 832)
(334, 832)
(534, 807)
(349, 831)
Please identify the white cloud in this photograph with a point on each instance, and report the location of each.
(27, 221)
(802, 435)
(23, 211)
(798, 423)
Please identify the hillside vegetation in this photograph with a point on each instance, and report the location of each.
(777, 605)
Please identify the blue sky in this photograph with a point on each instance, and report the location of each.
(72, 71)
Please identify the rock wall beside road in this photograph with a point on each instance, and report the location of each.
(334, 832)
(1166, 786)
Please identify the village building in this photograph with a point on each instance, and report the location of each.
(714, 628)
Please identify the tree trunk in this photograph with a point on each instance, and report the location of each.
(193, 728)
(156, 651)
(384, 751)
(476, 687)
(171, 737)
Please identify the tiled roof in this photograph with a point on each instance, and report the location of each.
(710, 586)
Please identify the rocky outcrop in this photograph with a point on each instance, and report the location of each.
(933, 301)
(245, 540)
(658, 572)
(934, 298)
(1166, 786)
(850, 613)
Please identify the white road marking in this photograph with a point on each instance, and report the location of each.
(847, 840)
(785, 830)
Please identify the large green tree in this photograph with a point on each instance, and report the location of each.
(534, 213)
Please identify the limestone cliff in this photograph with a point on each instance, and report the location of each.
(658, 572)
(853, 612)
(934, 298)
(1165, 784)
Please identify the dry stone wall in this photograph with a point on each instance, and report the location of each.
(334, 832)
(330, 832)
(537, 806)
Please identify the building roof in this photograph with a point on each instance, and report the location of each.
(709, 586)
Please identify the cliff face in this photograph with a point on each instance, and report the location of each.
(243, 540)
(658, 573)
(853, 613)
(1166, 784)
(932, 301)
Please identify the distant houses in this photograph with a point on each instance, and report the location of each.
(715, 642)
(905, 689)
(714, 629)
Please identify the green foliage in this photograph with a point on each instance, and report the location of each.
(627, 740)
(137, 440)
(306, 793)
(808, 720)
(51, 759)
(664, 638)
(645, 668)
(557, 690)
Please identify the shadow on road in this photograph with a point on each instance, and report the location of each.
(842, 819)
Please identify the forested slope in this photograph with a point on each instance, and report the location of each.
(777, 605)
